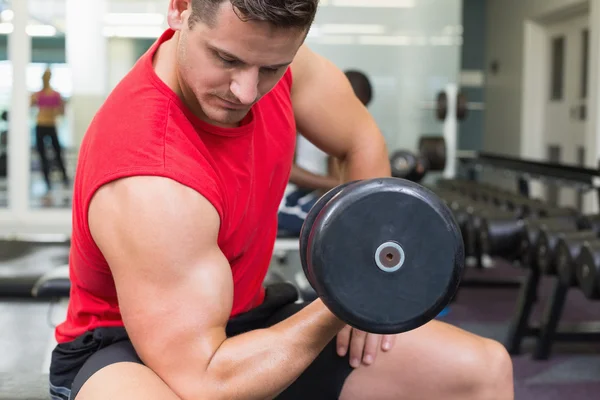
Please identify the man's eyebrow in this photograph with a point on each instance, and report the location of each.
(239, 60)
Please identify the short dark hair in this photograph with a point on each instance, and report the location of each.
(279, 13)
(361, 85)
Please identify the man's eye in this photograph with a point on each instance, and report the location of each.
(271, 70)
(227, 60)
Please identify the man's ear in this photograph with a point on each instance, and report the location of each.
(179, 11)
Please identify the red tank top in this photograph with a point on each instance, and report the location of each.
(144, 128)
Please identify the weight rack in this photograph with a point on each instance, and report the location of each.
(548, 330)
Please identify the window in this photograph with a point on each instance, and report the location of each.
(558, 68)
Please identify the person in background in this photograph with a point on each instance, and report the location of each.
(314, 172)
(50, 105)
(4, 146)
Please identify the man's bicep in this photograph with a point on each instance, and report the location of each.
(173, 283)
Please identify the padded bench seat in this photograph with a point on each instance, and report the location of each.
(53, 284)
(56, 283)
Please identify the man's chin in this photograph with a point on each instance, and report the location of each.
(228, 118)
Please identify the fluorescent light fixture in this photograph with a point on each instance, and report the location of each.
(134, 19)
(6, 28)
(336, 40)
(344, 29)
(374, 3)
(7, 15)
(442, 41)
(150, 32)
(385, 40)
(41, 30)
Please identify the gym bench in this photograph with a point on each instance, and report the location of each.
(55, 284)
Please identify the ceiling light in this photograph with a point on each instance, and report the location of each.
(341, 29)
(7, 15)
(6, 28)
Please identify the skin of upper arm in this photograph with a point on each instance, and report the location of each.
(174, 285)
(327, 111)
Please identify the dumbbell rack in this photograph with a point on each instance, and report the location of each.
(547, 330)
(582, 179)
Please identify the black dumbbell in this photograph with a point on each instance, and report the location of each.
(587, 269)
(501, 235)
(384, 255)
(546, 246)
(533, 227)
(568, 247)
(469, 221)
(407, 165)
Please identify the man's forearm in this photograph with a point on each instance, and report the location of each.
(262, 363)
(308, 180)
(367, 159)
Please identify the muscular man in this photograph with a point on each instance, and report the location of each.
(175, 215)
(314, 172)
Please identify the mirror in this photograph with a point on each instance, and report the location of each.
(409, 50)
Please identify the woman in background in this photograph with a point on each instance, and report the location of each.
(50, 105)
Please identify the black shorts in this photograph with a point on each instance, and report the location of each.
(73, 363)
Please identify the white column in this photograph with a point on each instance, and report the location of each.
(121, 58)
(451, 131)
(86, 52)
(19, 53)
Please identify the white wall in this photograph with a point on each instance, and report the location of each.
(504, 44)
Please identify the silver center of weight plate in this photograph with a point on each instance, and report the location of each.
(389, 257)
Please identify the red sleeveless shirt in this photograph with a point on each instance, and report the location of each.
(144, 128)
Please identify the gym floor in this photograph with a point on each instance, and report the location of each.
(573, 370)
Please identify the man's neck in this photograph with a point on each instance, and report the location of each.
(166, 70)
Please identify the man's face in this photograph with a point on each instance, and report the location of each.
(228, 67)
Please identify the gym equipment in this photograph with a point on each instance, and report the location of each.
(384, 255)
(466, 216)
(533, 227)
(500, 234)
(567, 250)
(546, 247)
(24, 260)
(441, 106)
(587, 269)
(433, 149)
(461, 106)
(572, 244)
(53, 285)
(407, 165)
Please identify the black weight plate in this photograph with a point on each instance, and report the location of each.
(567, 252)
(344, 240)
(310, 218)
(403, 164)
(587, 266)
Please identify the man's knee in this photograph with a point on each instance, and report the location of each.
(490, 367)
